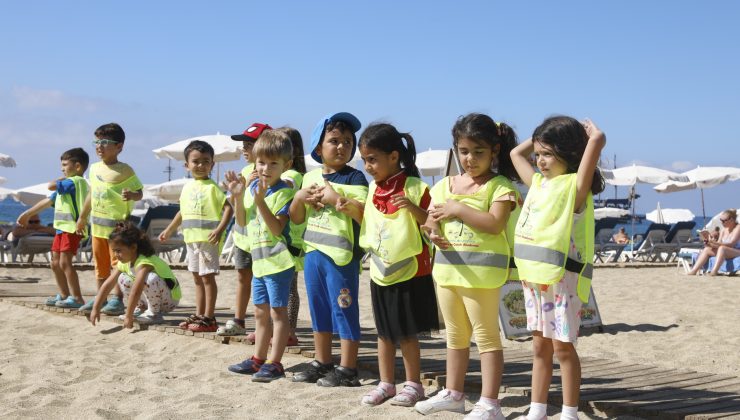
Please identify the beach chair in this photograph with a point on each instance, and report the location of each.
(227, 251)
(154, 222)
(729, 267)
(678, 236)
(31, 245)
(645, 243)
(605, 249)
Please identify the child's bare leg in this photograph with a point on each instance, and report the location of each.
(411, 359)
(65, 263)
(262, 330)
(387, 360)
(349, 353)
(457, 367)
(491, 370)
(281, 329)
(56, 268)
(243, 292)
(570, 371)
(211, 293)
(541, 367)
(322, 341)
(200, 295)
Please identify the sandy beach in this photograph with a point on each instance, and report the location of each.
(62, 366)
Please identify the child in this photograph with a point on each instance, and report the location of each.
(557, 221)
(242, 258)
(332, 201)
(294, 178)
(468, 224)
(267, 204)
(404, 304)
(68, 198)
(148, 284)
(113, 189)
(204, 214)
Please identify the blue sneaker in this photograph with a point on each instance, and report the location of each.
(87, 307)
(52, 300)
(113, 307)
(247, 367)
(269, 372)
(69, 303)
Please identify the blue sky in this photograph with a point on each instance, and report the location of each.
(660, 77)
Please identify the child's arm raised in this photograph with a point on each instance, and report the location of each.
(276, 224)
(215, 236)
(520, 158)
(103, 292)
(23, 218)
(136, 290)
(585, 175)
(236, 184)
(171, 228)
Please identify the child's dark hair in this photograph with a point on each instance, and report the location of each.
(77, 155)
(200, 146)
(340, 126)
(111, 131)
(128, 234)
(299, 159)
(567, 139)
(483, 129)
(386, 138)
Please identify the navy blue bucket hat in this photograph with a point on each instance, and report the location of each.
(318, 132)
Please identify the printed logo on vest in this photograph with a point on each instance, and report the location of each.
(344, 300)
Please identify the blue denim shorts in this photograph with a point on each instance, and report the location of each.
(273, 289)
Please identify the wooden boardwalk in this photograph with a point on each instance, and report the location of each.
(609, 387)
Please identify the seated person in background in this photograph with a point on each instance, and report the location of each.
(714, 236)
(727, 247)
(621, 237)
(34, 226)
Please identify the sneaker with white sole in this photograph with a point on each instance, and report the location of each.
(443, 401)
(484, 411)
(137, 312)
(148, 318)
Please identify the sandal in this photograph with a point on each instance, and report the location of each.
(52, 300)
(383, 392)
(231, 328)
(205, 324)
(409, 395)
(189, 320)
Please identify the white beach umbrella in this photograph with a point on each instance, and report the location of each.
(670, 215)
(32, 194)
(432, 162)
(224, 147)
(5, 193)
(7, 161)
(701, 177)
(604, 212)
(635, 174)
(167, 191)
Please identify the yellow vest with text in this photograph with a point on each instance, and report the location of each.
(393, 240)
(159, 267)
(328, 230)
(201, 206)
(240, 232)
(474, 259)
(545, 229)
(296, 230)
(67, 207)
(107, 205)
(270, 253)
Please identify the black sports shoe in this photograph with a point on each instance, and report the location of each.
(340, 376)
(316, 370)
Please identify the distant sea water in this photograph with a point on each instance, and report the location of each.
(11, 209)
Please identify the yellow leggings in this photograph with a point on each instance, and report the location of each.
(470, 311)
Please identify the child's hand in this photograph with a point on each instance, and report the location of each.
(80, 227)
(252, 176)
(94, 315)
(164, 235)
(329, 196)
(311, 196)
(436, 237)
(591, 129)
(214, 237)
(128, 321)
(260, 191)
(401, 201)
(343, 205)
(23, 219)
(235, 183)
(126, 194)
(444, 211)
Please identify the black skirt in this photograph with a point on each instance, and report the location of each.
(406, 309)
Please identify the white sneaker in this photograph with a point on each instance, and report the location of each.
(483, 410)
(149, 318)
(443, 401)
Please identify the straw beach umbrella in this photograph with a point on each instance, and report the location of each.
(7, 161)
(701, 177)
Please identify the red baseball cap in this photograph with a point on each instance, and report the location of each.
(252, 133)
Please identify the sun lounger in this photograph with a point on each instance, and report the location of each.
(31, 245)
(679, 236)
(645, 249)
(605, 249)
(730, 267)
(154, 222)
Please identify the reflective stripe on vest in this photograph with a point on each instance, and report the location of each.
(64, 216)
(539, 254)
(471, 258)
(328, 239)
(199, 224)
(390, 270)
(267, 251)
(242, 230)
(104, 222)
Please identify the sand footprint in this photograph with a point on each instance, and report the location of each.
(87, 373)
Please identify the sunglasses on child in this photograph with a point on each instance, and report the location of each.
(104, 142)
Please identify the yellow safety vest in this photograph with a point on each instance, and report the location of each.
(107, 205)
(67, 208)
(201, 205)
(296, 231)
(474, 259)
(160, 268)
(393, 240)
(240, 232)
(328, 230)
(270, 253)
(544, 231)
(510, 229)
